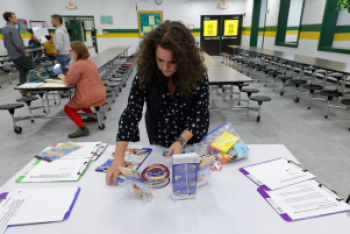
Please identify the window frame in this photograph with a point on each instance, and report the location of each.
(282, 27)
(329, 28)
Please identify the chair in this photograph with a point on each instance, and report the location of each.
(260, 100)
(11, 109)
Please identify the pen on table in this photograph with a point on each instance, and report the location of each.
(102, 149)
(98, 147)
(83, 168)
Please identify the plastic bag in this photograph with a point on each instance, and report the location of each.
(224, 143)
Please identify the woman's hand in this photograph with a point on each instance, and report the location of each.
(114, 172)
(61, 76)
(175, 148)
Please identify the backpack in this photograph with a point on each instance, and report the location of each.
(37, 76)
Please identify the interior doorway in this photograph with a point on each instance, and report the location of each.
(220, 31)
(79, 29)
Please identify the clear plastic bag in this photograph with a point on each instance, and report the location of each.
(224, 143)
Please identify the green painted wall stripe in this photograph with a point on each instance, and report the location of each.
(311, 27)
(121, 30)
(342, 29)
(293, 28)
(261, 29)
(197, 30)
(271, 28)
(247, 28)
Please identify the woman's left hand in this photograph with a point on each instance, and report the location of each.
(61, 76)
(175, 148)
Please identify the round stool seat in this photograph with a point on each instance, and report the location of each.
(112, 84)
(324, 72)
(336, 75)
(11, 106)
(260, 98)
(115, 79)
(25, 99)
(312, 87)
(298, 82)
(285, 77)
(268, 70)
(310, 69)
(109, 95)
(121, 71)
(249, 90)
(241, 85)
(345, 102)
(109, 89)
(116, 75)
(274, 73)
(6, 69)
(331, 93)
(128, 64)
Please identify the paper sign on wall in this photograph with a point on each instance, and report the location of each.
(211, 28)
(231, 28)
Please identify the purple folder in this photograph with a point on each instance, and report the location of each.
(285, 216)
(66, 215)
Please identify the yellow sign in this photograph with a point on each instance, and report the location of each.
(147, 29)
(231, 28)
(211, 28)
(151, 20)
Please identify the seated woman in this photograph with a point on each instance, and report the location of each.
(171, 81)
(49, 47)
(89, 91)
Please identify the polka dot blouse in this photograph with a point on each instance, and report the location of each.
(171, 118)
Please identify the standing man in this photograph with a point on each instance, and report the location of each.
(13, 42)
(36, 56)
(61, 40)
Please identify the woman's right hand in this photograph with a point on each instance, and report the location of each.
(114, 172)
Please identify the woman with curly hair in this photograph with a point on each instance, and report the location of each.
(172, 79)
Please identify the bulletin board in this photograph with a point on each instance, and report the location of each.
(231, 28)
(210, 28)
(148, 20)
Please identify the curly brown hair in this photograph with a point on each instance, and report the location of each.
(174, 36)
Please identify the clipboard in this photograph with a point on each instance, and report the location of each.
(19, 179)
(287, 217)
(41, 209)
(294, 165)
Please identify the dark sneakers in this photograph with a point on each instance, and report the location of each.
(82, 131)
(89, 119)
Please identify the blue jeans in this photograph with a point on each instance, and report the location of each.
(63, 59)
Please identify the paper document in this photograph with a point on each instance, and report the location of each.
(30, 85)
(87, 151)
(56, 171)
(8, 208)
(52, 85)
(305, 200)
(44, 205)
(278, 173)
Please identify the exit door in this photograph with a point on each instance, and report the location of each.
(78, 30)
(220, 31)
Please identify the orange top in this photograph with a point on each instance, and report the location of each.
(90, 90)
